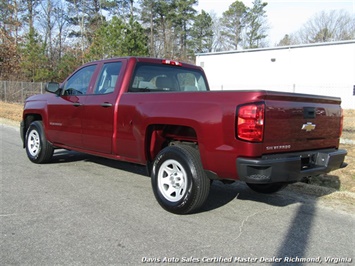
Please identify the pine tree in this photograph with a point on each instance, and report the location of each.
(182, 19)
(202, 33)
(118, 38)
(34, 61)
(255, 25)
(232, 23)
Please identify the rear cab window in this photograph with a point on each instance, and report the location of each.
(165, 78)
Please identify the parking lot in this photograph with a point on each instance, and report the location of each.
(84, 210)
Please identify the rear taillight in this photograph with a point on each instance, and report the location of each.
(250, 122)
(341, 123)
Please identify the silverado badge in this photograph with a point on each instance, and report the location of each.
(308, 127)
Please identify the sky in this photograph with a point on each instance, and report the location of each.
(284, 16)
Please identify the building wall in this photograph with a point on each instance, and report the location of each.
(322, 69)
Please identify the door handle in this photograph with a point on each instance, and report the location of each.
(106, 105)
(77, 104)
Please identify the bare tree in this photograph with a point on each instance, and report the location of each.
(10, 37)
(335, 25)
(288, 39)
(48, 25)
(31, 12)
(60, 17)
(218, 41)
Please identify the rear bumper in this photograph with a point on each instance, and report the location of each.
(290, 167)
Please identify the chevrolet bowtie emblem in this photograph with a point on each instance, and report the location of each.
(308, 127)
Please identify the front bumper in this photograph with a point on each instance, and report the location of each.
(289, 167)
(22, 133)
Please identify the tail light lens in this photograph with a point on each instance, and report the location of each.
(341, 123)
(250, 122)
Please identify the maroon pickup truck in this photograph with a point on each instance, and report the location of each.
(160, 113)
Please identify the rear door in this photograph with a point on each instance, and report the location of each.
(100, 105)
(65, 112)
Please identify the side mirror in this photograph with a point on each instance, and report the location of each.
(52, 87)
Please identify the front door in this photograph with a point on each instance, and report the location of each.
(65, 111)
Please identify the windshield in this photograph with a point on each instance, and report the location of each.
(152, 77)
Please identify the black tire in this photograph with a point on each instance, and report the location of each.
(38, 149)
(267, 188)
(179, 182)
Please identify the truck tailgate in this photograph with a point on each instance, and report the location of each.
(298, 122)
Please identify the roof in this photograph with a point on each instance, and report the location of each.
(143, 59)
(279, 48)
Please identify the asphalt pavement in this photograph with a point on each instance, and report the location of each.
(84, 210)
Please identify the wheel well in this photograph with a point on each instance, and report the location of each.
(28, 120)
(161, 136)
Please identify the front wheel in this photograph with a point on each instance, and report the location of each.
(38, 149)
(179, 182)
(267, 188)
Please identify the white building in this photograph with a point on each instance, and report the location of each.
(323, 69)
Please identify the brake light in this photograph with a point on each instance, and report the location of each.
(250, 122)
(171, 62)
(341, 122)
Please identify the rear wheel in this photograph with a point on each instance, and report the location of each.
(267, 188)
(38, 149)
(179, 182)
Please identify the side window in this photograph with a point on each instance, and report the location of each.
(79, 83)
(108, 78)
(187, 81)
(191, 81)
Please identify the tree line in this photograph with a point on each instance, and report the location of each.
(42, 40)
